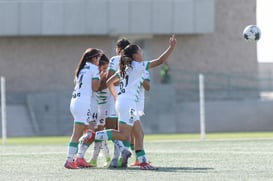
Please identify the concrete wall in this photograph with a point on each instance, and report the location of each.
(162, 115)
(266, 77)
(39, 68)
(227, 116)
(18, 121)
(104, 17)
(224, 50)
(166, 115)
(33, 64)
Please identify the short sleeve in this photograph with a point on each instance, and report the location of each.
(96, 74)
(146, 75)
(147, 65)
(114, 63)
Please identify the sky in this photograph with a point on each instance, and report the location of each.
(264, 22)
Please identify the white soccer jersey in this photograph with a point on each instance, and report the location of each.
(113, 67)
(102, 96)
(130, 85)
(83, 105)
(129, 93)
(141, 100)
(83, 85)
(114, 64)
(103, 106)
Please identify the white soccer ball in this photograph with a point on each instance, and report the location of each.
(252, 33)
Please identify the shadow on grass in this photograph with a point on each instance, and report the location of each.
(172, 169)
(185, 169)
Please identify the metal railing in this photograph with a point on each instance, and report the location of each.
(220, 86)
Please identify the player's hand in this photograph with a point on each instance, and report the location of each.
(103, 75)
(172, 41)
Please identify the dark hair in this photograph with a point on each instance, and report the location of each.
(103, 60)
(127, 58)
(86, 57)
(122, 43)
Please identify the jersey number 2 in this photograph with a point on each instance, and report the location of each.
(123, 85)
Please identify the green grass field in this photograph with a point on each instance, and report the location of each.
(229, 156)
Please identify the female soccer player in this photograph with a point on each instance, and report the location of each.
(112, 120)
(103, 107)
(83, 104)
(137, 134)
(132, 67)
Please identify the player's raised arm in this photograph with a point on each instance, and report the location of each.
(163, 57)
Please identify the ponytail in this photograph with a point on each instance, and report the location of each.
(125, 62)
(127, 58)
(86, 57)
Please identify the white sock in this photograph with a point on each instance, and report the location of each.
(105, 149)
(82, 149)
(116, 151)
(142, 159)
(72, 151)
(97, 147)
(141, 156)
(120, 145)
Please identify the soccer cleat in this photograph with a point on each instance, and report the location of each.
(82, 163)
(146, 166)
(136, 163)
(114, 163)
(125, 155)
(93, 163)
(88, 137)
(71, 165)
(107, 162)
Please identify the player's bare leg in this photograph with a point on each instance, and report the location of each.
(139, 147)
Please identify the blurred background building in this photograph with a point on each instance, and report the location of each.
(41, 42)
